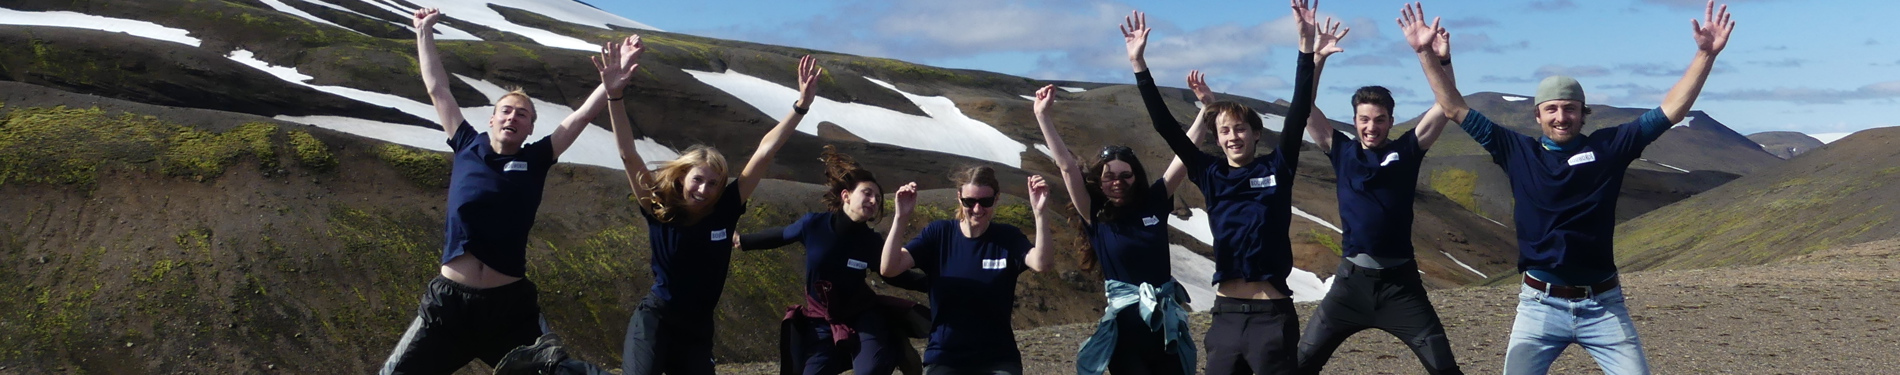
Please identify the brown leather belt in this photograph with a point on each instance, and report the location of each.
(1572, 292)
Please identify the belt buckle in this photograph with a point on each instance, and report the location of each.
(1588, 291)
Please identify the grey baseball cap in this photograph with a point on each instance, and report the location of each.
(1559, 87)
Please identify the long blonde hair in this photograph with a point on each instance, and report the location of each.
(668, 202)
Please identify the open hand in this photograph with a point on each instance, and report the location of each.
(1329, 35)
(616, 63)
(808, 73)
(1711, 35)
(1417, 33)
(1038, 194)
(1197, 82)
(1135, 34)
(1045, 97)
(425, 19)
(1304, 12)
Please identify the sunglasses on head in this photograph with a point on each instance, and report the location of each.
(989, 201)
(1111, 151)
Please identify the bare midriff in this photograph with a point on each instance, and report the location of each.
(467, 270)
(1236, 288)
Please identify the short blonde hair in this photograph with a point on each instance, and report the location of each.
(669, 196)
(518, 93)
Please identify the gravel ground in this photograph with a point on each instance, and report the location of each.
(1831, 312)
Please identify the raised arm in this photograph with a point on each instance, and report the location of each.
(1422, 37)
(1135, 34)
(1710, 37)
(1327, 44)
(1320, 131)
(1177, 169)
(616, 72)
(1072, 177)
(808, 73)
(1042, 258)
(896, 259)
(1433, 122)
(612, 83)
(433, 75)
(1305, 83)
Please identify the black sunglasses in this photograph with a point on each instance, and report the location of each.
(989, 201)
(1115, 177)
(1110, 151)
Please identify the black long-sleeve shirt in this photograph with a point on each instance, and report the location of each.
(1249, 206)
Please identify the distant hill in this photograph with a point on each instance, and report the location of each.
(1835, 195)
(1786, 145)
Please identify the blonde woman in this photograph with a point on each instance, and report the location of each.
(691, 211)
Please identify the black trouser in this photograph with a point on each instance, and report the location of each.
(1138, 350)
(1392, 300)
(1252, 336)
(457, 323)
(1000, 368)
(660, 340)
(869, 352)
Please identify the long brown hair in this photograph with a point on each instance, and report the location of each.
(842, 173)
(1098, 201)
(668, 202)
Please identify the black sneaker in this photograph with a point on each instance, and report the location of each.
(538, 359)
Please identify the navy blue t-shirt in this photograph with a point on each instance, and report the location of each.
(837, 255)
(1251, 206)
(1133, 247)
(690, 261)
(972, 291)
(1376, 187)
(1566, 199)
(493, 199)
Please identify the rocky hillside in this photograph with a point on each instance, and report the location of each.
(1786, 145)
(1836, 195)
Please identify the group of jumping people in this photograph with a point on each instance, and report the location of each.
(1565, 185)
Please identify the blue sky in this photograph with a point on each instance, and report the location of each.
(1809, 66)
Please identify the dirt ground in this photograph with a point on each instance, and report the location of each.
(1825, 313)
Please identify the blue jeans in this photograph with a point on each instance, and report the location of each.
(1546, 325)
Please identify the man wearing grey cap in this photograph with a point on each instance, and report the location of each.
(1566, 185)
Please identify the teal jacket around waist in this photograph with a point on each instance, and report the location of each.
(1160, 308)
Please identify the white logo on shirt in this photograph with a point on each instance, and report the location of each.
(719, 235)
(1150, 221)
(1389, 158)
(856, 264)
(1262, 182)
(1585, 157)
(515, 166)
(995, 264)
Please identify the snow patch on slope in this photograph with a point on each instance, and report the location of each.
(136, 28)
(946, 129)
(595, 146)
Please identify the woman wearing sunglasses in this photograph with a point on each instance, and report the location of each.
(1125, 219)
(1249, 204)
(690, 221)
(972, 264)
